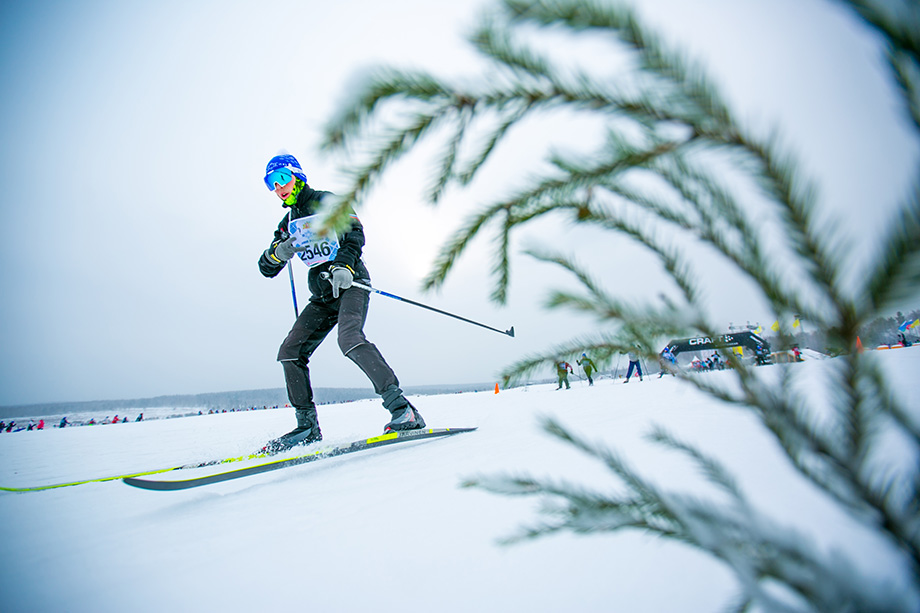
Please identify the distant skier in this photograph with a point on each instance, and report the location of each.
(668, 362)
(333, 301)
(633, 363)
(64, 423)
(717, 363)
(140, 417)
(760, 355)
(563, 369)
(588, 365)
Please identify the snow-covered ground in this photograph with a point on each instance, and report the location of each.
(390, 529)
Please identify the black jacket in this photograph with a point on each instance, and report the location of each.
(351, 243)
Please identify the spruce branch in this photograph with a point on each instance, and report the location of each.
(473, 166)
(795, 203)
(710, 467)
(530, 204)
(900, 33)
(449, 158)
(896, 274)
(458, 243)
(665, 121)
(494, 42)
(695, 94)
(744, 540)
(385, 85)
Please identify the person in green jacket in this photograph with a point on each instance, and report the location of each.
(588, 365)
(563, 369)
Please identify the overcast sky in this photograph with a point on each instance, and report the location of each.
(132, 208)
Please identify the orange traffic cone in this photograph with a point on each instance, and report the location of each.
(859, 346)
(496, 388)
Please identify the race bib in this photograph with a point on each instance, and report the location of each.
(312, 248)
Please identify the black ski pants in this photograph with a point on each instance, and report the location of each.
(318, 318)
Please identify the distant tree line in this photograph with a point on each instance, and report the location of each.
(884, 330)
(241, 399)
(879, 331)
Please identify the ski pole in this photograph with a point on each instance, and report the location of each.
(617, 371)
(368, 288)
(290, 267)
(293, 289)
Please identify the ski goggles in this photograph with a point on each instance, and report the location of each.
(282, 176)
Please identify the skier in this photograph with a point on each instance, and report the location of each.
(563, 369)
(717, 363)
(64, 423)
(760, 355)
(333, 301)
(668, 362)
(633, 363)
(588, 365)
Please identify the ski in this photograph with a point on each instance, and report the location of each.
(158, 471)
(326, 452)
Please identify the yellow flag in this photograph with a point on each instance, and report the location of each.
(796, 323)
(739, 351)
(775, 326)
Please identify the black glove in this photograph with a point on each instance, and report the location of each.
(342, 278)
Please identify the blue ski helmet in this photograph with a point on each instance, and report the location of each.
(284, 161)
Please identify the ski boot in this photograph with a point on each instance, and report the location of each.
(405, 416)
(306, 432)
